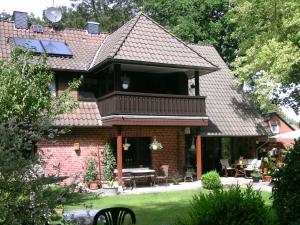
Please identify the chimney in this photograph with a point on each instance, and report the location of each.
(21, 20)
(92, 27)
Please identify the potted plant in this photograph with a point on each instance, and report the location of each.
(266, 165)
(155, 145)
(266, 178)
(91, 173)
(108, 171)
(256, 176)
(126, 146)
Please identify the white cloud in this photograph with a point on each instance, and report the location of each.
(34, 6)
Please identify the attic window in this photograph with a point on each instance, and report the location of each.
(55, 48)
(274, 127)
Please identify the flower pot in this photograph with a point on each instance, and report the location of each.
(125, 148)
(266, 179)
(59, 211)
(93, 185)
(255, 179)
(266, 170)
(110, 190)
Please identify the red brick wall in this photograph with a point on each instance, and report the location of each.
(61, 158)
(283, 127)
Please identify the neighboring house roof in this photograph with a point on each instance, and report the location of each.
(83, 45)
(229, 111)
(142, 39)
(269, 116)
(86, 115)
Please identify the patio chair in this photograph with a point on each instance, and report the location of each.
(114, 216)
(163, 174)
(226, 167)
(189, 175)
(250, 167)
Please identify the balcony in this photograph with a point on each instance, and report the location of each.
(130, 108)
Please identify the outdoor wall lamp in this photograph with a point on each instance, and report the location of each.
(125, 82)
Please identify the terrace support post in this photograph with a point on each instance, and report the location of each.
(119, 155)
(117, 77)
(197, 89)
(198, 153)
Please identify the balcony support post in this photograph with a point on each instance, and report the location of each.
(197, 89)
(198, 154)
(119, 155)
(117, 77)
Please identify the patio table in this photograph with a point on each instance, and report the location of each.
(240, 169)
(139, 174)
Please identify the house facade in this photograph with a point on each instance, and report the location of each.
(141, 83)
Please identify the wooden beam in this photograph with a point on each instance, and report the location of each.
(199, 154)
(197, 89)
(119, 156)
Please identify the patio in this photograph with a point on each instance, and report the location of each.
(182, 186)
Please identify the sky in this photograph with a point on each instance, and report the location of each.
(37, 7)
(34, 6)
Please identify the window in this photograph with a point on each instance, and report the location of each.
(275, 128)
(53, 88)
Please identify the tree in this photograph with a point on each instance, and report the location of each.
(27, 111)
(199, 22)
(111, 14)
(268, 57)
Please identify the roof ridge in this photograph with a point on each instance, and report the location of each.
(178, 39)
(137, 17)
(96, 55)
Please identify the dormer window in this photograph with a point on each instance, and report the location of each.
(274, 127)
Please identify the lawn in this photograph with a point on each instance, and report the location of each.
(150, 209)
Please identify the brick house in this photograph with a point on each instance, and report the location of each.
(140, 83)
(278, 125)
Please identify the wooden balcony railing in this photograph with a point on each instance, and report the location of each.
(132, 103)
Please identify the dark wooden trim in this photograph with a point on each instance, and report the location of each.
(117, 77)
(129, 103)
(197, 89)
(154, 122)
(199, 154)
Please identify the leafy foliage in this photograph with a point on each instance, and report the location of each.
(109, 163)
(268, 55)
(199, 22)
(286, 191)
(27, 112)
(228, 207)
(91, 171)
(211, 180)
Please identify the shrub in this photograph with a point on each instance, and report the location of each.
(211, 180)
(91, 171)
(228, 207)
(109, 163)
(286, 191)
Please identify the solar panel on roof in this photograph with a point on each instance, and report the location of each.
(30, 44)
(56, 48)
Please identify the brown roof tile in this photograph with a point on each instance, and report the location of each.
(83, 45)
(230, 112)
(87, 114)
(142, 39)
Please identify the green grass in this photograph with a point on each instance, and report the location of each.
(150, 209)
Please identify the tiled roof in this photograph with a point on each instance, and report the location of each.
(83, 45)
(229, 111)
(86, 114)
(143, 40)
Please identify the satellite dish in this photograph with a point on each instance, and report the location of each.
(53, 14)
